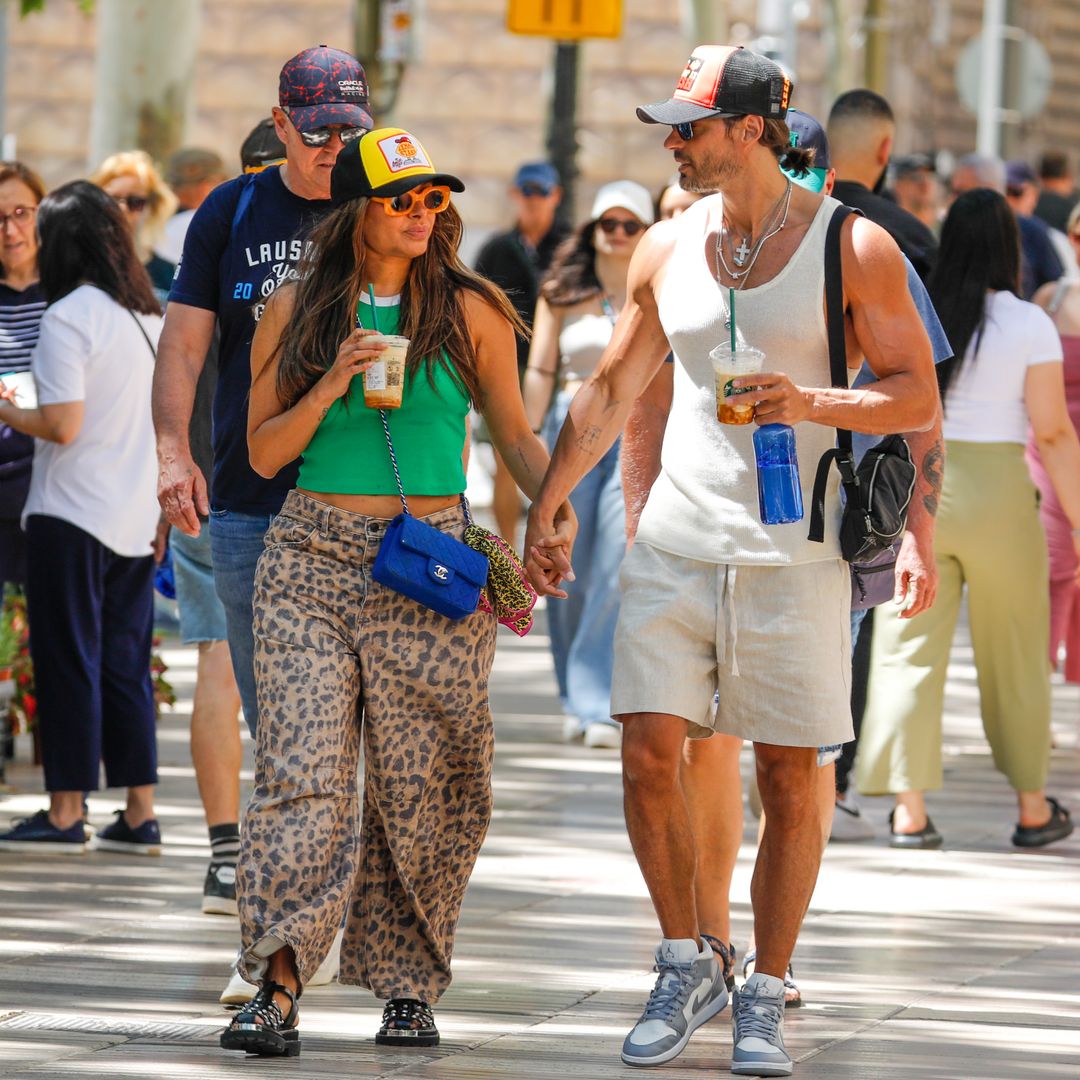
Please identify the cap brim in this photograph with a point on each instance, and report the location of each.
(812, 179)
(675, 111)
(407, 183)
(310, 117)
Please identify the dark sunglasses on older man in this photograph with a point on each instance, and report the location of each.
(609, 225)
(320, 136)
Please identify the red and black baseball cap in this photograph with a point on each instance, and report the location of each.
(723, 80)
(323, 86)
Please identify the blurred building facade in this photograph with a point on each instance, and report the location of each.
(479, 96)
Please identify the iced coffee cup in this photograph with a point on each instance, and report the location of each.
(729, 364)
(385, 379)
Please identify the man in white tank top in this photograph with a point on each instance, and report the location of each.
(712, 598)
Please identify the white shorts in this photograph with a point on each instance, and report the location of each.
(773, 641)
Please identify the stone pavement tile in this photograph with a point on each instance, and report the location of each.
(918, 1050)
(20, 1049)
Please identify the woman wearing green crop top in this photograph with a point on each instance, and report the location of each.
(333, 645)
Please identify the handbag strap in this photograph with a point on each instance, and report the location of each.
(397, 472)
(842, 453)
(146, 336)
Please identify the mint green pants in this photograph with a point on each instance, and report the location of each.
(990, 539)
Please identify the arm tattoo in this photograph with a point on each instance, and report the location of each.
(589, 437)
(932, 467)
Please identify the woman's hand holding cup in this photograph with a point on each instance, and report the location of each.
(354, 356)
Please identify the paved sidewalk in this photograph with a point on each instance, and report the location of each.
(915, 965)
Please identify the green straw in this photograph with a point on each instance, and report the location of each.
(731, 315)
(375, 317)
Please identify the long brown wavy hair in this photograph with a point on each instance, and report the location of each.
(572, 277)
(432, 304)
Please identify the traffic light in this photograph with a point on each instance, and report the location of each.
(565, 20)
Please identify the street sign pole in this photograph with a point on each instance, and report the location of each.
(562, 142)
(988, 136)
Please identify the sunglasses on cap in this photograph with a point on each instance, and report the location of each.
(609, 225)
(320, 136)
(435, 199)
(134, 203)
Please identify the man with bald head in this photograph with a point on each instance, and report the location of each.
(861, 130)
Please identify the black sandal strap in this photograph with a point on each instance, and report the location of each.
(264, 1008)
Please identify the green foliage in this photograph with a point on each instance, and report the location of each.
(29, 7)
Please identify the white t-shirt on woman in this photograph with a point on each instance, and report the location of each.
(105, 480)
(986, 400)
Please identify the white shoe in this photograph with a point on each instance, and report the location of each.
(239, 991)
(603, 736)
(572, 731)
(327, 971)
(848, 822)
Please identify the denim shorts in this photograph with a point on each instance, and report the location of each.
(202, 618)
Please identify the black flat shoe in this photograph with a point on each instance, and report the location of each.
(1057, 828)
(260, 1029)
(407, 1022)
(927, 838)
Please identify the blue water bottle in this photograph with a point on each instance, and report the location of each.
(779, 490)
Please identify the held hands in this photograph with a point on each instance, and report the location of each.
(548, 545)
(777, 399)
(355, 355)
(8, 393)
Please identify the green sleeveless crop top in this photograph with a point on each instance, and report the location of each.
(348, 454)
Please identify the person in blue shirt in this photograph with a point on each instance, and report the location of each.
(246, 240)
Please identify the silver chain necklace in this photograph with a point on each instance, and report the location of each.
(752, 254)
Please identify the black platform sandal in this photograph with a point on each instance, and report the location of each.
(259, 1028)
(407, 1022)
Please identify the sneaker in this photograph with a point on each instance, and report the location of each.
(120, 836)
(407, 1022)
(572, 731)
(603, 736)
(38, 835)
(238, 991)
(327, 971)
(219, 890)
(758, 1021)
(689, 991)
(848, 822)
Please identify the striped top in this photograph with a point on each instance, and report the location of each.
(20, 320)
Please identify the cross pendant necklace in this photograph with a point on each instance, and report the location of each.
(741, 252)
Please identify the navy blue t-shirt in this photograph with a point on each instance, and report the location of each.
(231, 264)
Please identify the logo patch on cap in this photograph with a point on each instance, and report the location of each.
(401, 153)
(353, 88)
(690, 74)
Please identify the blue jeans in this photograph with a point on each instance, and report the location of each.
(236, 542)
(582, 627)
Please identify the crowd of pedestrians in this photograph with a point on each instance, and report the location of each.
(294, 435)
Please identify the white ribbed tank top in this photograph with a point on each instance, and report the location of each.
(704, 504)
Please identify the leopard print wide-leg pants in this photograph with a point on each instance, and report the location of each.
(332, 646)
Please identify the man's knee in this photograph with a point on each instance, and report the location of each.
(787, 780)
(651, 749)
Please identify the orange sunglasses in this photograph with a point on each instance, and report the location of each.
(435, 199)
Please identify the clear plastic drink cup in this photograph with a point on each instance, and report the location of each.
(730, 364)
(385, 379)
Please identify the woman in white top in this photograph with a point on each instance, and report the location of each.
(579, 302)
(90, 518)
(989, 538)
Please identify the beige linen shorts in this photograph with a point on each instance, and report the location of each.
(773, 641)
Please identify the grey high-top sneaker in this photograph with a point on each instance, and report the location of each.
(758, 1019)
(689, 990)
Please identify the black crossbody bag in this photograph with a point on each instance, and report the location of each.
(878, 492)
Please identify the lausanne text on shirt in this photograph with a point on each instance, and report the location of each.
(280, 251)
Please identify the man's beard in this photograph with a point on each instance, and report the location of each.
(708, 174)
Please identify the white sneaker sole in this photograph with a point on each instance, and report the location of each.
(718, 1006)
(97, 844)
(219, 905)
(42, 847)
(603, 737)
(762, 1068)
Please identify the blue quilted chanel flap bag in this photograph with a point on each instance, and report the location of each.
(426, 565)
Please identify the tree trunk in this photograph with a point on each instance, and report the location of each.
(145, 76)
